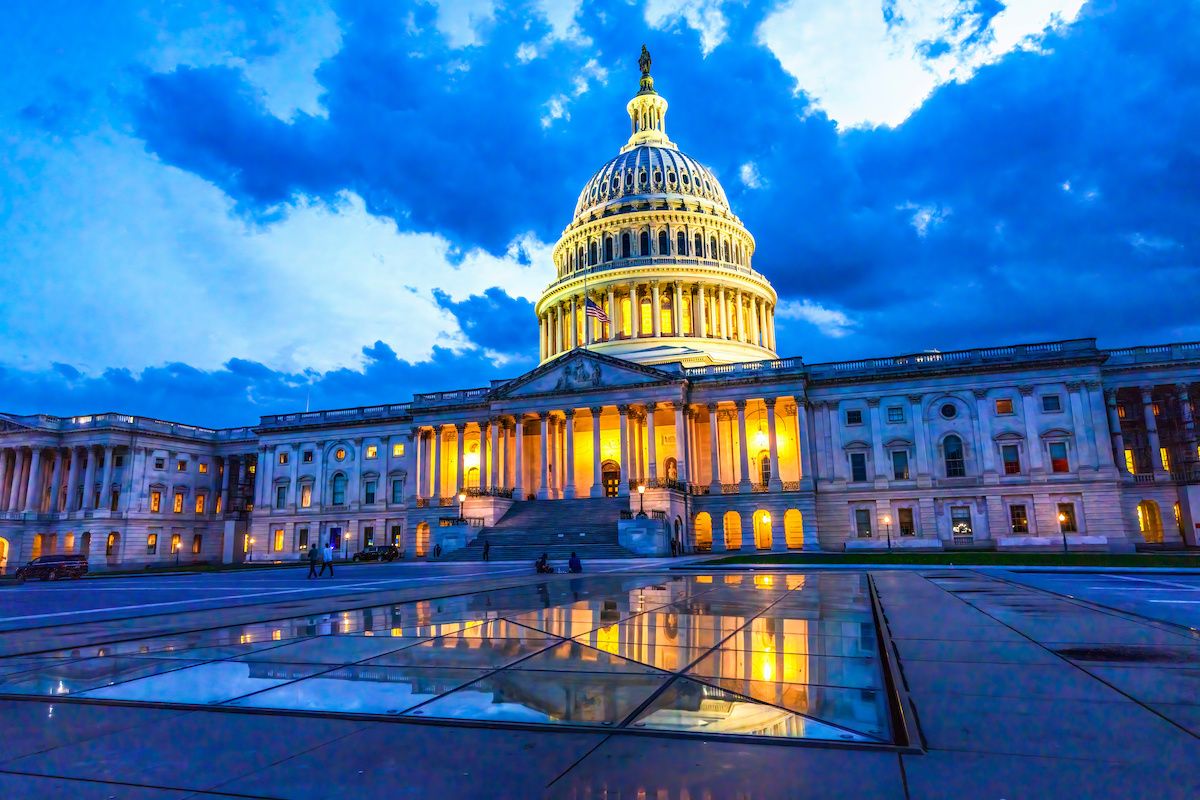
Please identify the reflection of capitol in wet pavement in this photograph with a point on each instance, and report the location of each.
(792, 656)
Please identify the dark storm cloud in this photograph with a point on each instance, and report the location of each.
(496, 321)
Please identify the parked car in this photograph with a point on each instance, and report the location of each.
(377, 552)
(51, 568)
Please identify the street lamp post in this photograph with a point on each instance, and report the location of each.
(462, 498)
(887, 526)
(1062, 527)
(641, 500)
(250, 554)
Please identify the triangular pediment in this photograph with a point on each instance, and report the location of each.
(581, 371)
(10, 425)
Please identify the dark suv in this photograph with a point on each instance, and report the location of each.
(377, 552)
(51, 568)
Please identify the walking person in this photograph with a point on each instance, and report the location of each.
(314, 558)
(487, 548)
(327, 559)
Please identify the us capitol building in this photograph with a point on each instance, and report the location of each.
(660, 416)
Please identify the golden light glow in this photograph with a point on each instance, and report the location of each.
(606, 639)
(1129, 463)
(1166, 458)
(372, 451)
(277, 634)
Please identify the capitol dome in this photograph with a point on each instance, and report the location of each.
(655, 267)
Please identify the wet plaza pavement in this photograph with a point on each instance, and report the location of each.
(662, 685)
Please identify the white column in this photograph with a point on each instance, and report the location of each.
(651, 442)
(623, 487)
(106, 481)
(1103, 442)
(920, 435)
(986, 446)
(574, 322)
(89, 480)
(1033, 440)
(493, 480)
(460, 439)
(435, 462)
(1151, 431)
(755, 331)
(881, 466)
(743, 454)
(1118, 438)
(56, 480)
(677, 316)
(714, 452)
(519, 453)
(776, 483)
(655, 309)
(597, 475)
(3, 479)
(803, 440)
(612, 314)
(34, 487)
(569, 454)
(724, 313)
(1083, 439)
(682, 443)
(543, 487)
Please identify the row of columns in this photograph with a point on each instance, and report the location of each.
(714, 313)
(26, 472)
(1183, 394)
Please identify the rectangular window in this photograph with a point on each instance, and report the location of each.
(1051, 403)
(220, 503)
(176, 540)
(1066, 518)
(907, 522)
(368, 535)
(283, 458)
(178, 505)
(397, 491)
(280, 496)
(397, 535)
(307, 457)
(197, 540)
(306, 496)
(397, 450)
(1130, 464)
(1011, 454)
(151, 543)
(1120, 412)
(895, 414)
(858, 467)
(372, 451)
(1018, 519)
(369, 492)
(1156, 408)
(118, 461)
(339, 491)
(277, 540)
(1165, 458)
(854, 416)
(114, 499)
(200, 500)
(1058, 457)
(960, 521)
(160, 463)
(181, 465)
(900, 465)
(1004, 406)
(202, 468)
(302, 539)
(155, 501)
(862, 522)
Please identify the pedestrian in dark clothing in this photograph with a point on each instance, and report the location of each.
(574, 564)
(327, 560)
(487, 548)
(314, 558)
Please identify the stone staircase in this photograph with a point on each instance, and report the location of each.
(555, 527)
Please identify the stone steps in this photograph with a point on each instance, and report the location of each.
(587, 526)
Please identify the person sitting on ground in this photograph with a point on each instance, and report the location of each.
(542, 565)
(575, 565)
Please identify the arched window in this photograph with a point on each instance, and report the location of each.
(726, 251)
(1150, 521)
(762, 529)
(644, 244)
(732, 530)
(625, 245)
(646, 317)
(666, 305)
(953, 449)
(339, 489)
(764, 468)
(793, 529)
(422, 539)
(579, 257)
(664, 244)
(608, 248)
(712, 247)
(698, 251)
(592, 254)
(703, 528)
(681, 244)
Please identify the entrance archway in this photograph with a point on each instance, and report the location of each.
(762, 529)
(1150, 521)
(703, 528)
(793, 529)
(422, 539)
(112, 547)
(732, 529)
(610, 478)
(3, 555)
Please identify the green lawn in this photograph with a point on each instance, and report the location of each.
(983, 558)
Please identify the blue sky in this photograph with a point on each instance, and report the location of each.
(215, 211)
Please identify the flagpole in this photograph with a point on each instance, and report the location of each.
(585, 306)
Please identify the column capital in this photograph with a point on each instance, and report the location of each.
(1092, 385)
(1074, 386)
(712, 407)
(770, 402)
(739, 404)
(569, 413)
(916, 399)
(651, 405)
(1147, 393)
(623, 409)
(1026, 390)
(873, 402)
(596, 411)
(1110, 397)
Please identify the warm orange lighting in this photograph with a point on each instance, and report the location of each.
(462, 497)
(887, 519)
(1062, 517)
(641, 488)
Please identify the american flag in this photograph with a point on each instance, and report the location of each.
(593, 310)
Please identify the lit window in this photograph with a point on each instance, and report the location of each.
(1058, 457)
(306, 496)
(151, 543)
(283, 458)
(175, 542)
(1004, 406)
(220, 504)
(907, 522)
(854, 416)
(340, 454)
(1120, 412)
(372, 451)
(900, 465)
(1051, 403)
(1156, 408)
(181, 465)
(278, 540)
(895, 414)
(369, 492)
(197, 539)
(397, 535)
(252, 469)
(307, 456)
(160, 463)
(862, 522)
(956, 465)
(960, 521)
(155, 501)
(368, 535)
(1018, 519)
(200, 499)
(858, 467)
(280, 496)
(1130, 464)
(178, 505)
(1066, 518)
(202, 468)
(397, 491)
(1011, 454)
(397, 450)
(1165, 458)
(110, 544)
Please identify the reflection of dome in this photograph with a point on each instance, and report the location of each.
(650, 173)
